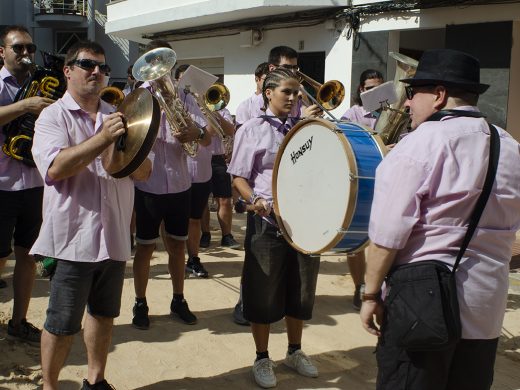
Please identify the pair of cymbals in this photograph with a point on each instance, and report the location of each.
(142, 115)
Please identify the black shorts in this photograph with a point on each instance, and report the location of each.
(75, 285)
(152, 209)
(199, 198)
(221, 180)
(468, 365)
(20, 218)
(277, 280)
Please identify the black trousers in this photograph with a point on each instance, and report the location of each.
(468, 365)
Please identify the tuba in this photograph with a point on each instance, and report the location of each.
(394, 120)
(155, 67)
(112, 95)
(328, 95)
(45, 81)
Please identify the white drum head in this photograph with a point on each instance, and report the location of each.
(313, 195)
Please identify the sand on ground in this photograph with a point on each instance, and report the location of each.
(216, 353)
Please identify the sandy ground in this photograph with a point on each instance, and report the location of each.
(216, 353)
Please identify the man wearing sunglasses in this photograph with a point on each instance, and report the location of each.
(86, 216)
(21, 188)
(425, 192)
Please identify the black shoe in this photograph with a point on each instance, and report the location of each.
(140, 320)
(205, 240)
(103, 385)
(194, 267)
(25, 332)
(238, 315)
(356, 300)
(229, 241)
(181, 310)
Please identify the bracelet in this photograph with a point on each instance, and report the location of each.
(376, 297)
(254, 198)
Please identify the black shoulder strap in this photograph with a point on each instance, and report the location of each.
(494, 153)
(437, 116)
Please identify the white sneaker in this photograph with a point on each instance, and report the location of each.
(301, 363)
(264, 374)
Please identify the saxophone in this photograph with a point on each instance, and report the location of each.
(45, 82)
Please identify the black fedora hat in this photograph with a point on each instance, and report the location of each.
(451, 68)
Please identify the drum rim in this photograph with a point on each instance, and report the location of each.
(349, 214)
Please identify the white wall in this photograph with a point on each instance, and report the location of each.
(240, 63)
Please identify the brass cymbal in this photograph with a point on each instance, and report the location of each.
(142, 117)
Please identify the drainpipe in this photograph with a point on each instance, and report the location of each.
(91, 18)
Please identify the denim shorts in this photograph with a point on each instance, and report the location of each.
(277, 280)
(76, 285)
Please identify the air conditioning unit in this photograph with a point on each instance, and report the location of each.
(250, 38)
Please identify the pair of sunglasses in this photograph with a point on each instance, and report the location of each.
(410, 92)
(90, 65)
(18, 48)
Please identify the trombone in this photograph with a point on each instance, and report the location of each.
(112, 95)
(217, 97)
(329, 95)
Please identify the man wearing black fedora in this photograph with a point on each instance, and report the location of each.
(435, 331)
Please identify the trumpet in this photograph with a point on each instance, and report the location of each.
(112, 95)
(328, 95)
(155, 67)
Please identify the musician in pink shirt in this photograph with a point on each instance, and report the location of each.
(369, 79)
(247, 107)
(164, 199)
(425, 191)
(278, 282)
(86, 216)
(21, 187)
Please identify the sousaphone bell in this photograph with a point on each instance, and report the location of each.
(142, 116)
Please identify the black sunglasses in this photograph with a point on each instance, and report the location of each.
(18, 48)
(410, 90)
(90, 65)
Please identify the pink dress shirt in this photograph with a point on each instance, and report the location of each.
(86, 217)
(170, 174)
(254, 152)
(426, 189)
(217, 147)
(14, 175)
(199, 166)
(359, 115)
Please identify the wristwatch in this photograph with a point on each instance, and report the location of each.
(201, 134)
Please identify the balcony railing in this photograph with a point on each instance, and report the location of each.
(64, 7)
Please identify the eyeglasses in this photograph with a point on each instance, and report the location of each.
(90, 65)
(290, 67)
(410, 92)
(18, 48)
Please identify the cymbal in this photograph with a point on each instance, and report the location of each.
(142, 116)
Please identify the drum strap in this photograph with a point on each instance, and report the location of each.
(454, 113)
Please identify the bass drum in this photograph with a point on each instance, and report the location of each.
(323, 185)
